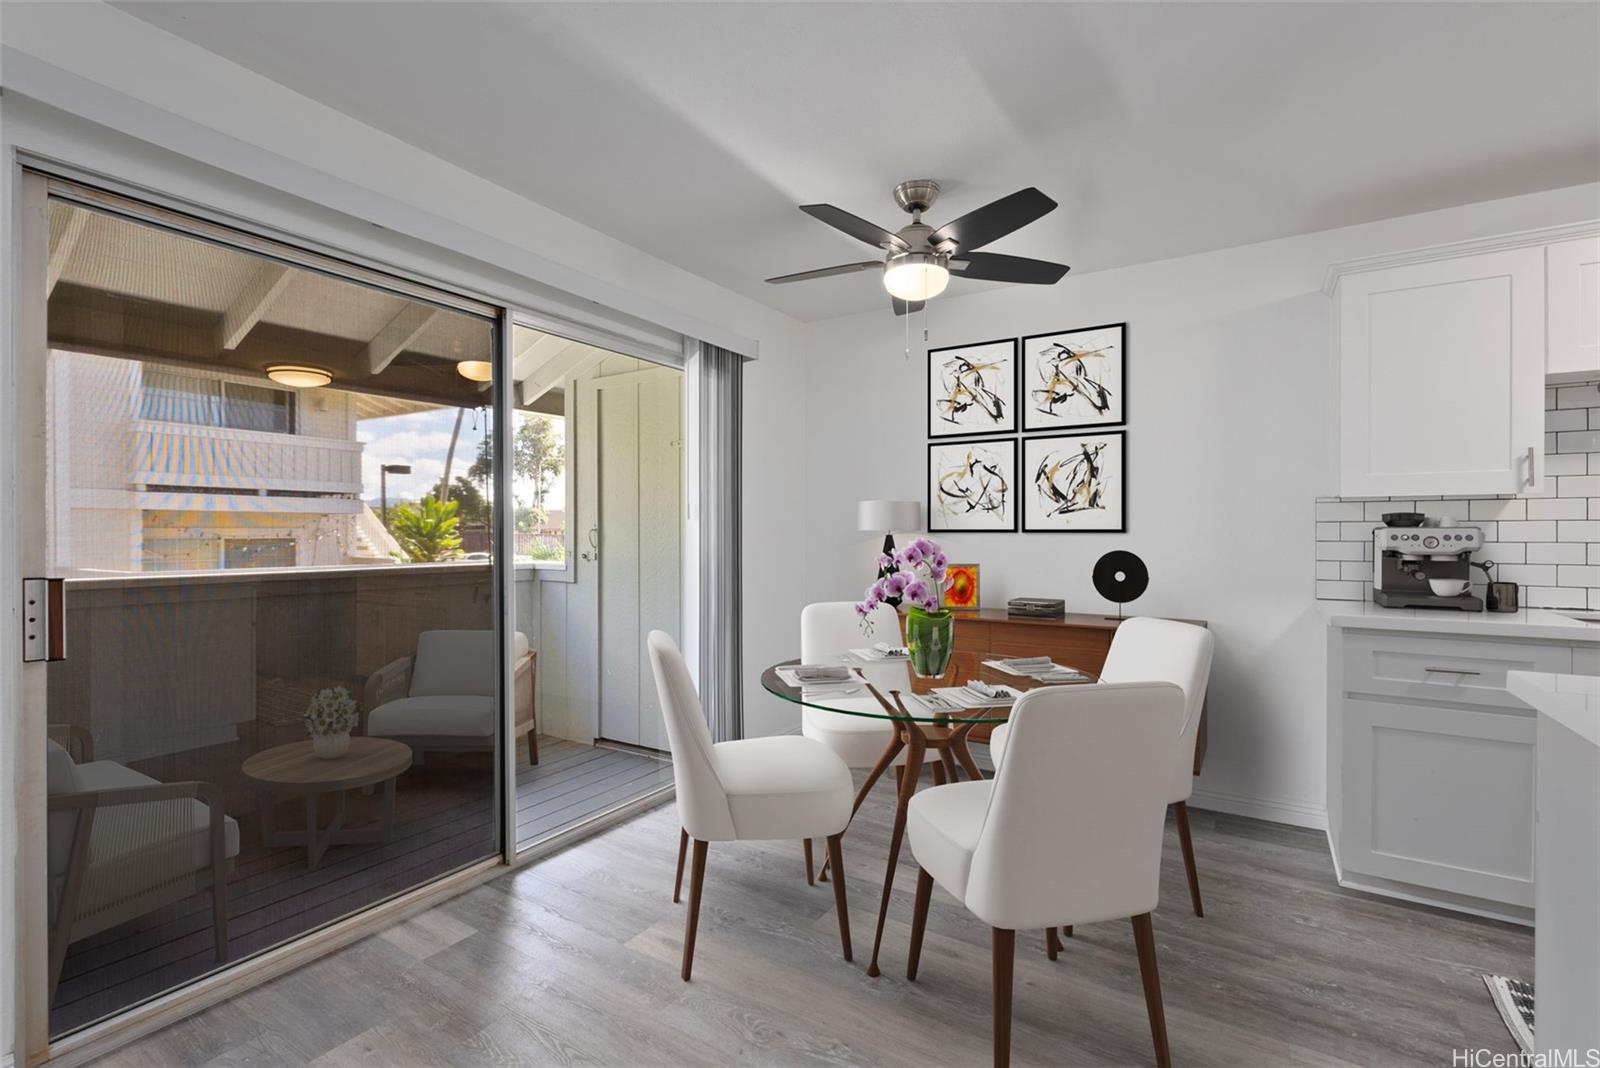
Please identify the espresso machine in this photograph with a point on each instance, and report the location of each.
(1418, 566)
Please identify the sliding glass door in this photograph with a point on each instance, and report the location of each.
(597, 473)
(268, 494)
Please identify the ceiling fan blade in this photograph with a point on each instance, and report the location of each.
(993, 267)
(906, 307)
(994, 220)
(829, 272)
(855, 226)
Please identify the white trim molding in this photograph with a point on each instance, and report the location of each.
(1272, 809)
(1548, 235)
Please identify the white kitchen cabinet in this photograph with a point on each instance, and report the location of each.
(1431, 766)
(1441, 375)
(1440, 798)
(1572, 302)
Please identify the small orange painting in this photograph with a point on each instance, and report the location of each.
(961, 587)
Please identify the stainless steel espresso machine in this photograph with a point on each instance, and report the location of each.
(1418, 566)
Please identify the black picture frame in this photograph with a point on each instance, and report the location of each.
(1025, 493)
(939, 428)
(935, 513)
(1031, 417)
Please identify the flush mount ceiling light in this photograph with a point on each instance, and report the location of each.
(920, 259)
(915, 276)
(475, 370)
(298, 376)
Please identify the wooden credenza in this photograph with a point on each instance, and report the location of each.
(1079, 640)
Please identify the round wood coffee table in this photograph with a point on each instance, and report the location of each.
(296, 769)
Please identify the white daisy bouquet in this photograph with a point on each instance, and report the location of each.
(331, 711)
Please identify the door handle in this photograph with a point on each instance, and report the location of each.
(44, 619)
(1533, 476)
(1448, 671)
(593, 551)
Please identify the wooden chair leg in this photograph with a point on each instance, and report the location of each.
(811, 875)
(938, 774)
(1180, 809)
(840, 905)
(1005, 953)
(1144, 938)
(697, 879)
(1052, 942)
(919, 922)
(1066, 932)
(683, 848)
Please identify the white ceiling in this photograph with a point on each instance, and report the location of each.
(693, 130)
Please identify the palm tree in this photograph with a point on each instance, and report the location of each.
(427, 531)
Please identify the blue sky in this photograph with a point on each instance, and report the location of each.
(422, 439)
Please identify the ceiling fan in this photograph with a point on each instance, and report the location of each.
(919, 259)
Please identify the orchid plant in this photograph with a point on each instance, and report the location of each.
(914, 576)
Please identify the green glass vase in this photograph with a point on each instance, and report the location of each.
(929, 638)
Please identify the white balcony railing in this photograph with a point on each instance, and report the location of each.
(205, 457)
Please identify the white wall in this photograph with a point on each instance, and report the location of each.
(1228, 365)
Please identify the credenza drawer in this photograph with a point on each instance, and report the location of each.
(1467, 671)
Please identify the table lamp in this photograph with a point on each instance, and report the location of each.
(888, 517)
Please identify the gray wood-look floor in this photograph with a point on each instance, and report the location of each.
(575, 960)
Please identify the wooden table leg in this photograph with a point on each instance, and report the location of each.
(386, 814)
(915, 748)
(890, 751)
(947, 761)
(958, 745)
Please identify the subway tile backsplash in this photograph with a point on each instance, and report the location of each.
(1548, 543)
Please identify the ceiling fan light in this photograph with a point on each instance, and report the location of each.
(915, 276)
(475, 370)
(299, 377)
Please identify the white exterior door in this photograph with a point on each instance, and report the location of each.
(1442, 376)
(633, 532)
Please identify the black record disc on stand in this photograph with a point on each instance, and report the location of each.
(1120, 576)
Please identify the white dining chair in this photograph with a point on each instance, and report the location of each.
(754, 789)
(1145, 649)
(1067, 832)
(828, 630)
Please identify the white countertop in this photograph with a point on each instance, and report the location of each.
(1573, 701)
(1528, 623)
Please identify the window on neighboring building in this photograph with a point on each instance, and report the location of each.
(257, 408)
(174, 397)
(257, 552)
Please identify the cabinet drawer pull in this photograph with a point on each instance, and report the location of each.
(1448, 671)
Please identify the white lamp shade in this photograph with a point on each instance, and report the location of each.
(883, 517)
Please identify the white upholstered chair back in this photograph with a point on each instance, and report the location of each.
(456, 663)
(829, 628)
(1149, 650)
(1074, 824)
(702, 800)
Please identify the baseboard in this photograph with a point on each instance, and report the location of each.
(1520, 915)
(1273, 810)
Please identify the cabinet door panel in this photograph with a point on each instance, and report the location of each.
(1442, 376)
(1572, 270)
(1440, 798)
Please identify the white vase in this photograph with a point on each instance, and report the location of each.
(330, 746)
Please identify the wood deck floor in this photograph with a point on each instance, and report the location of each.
(444, 821)
(573, 783)
(574, 959)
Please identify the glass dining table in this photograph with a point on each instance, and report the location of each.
(928, 727)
